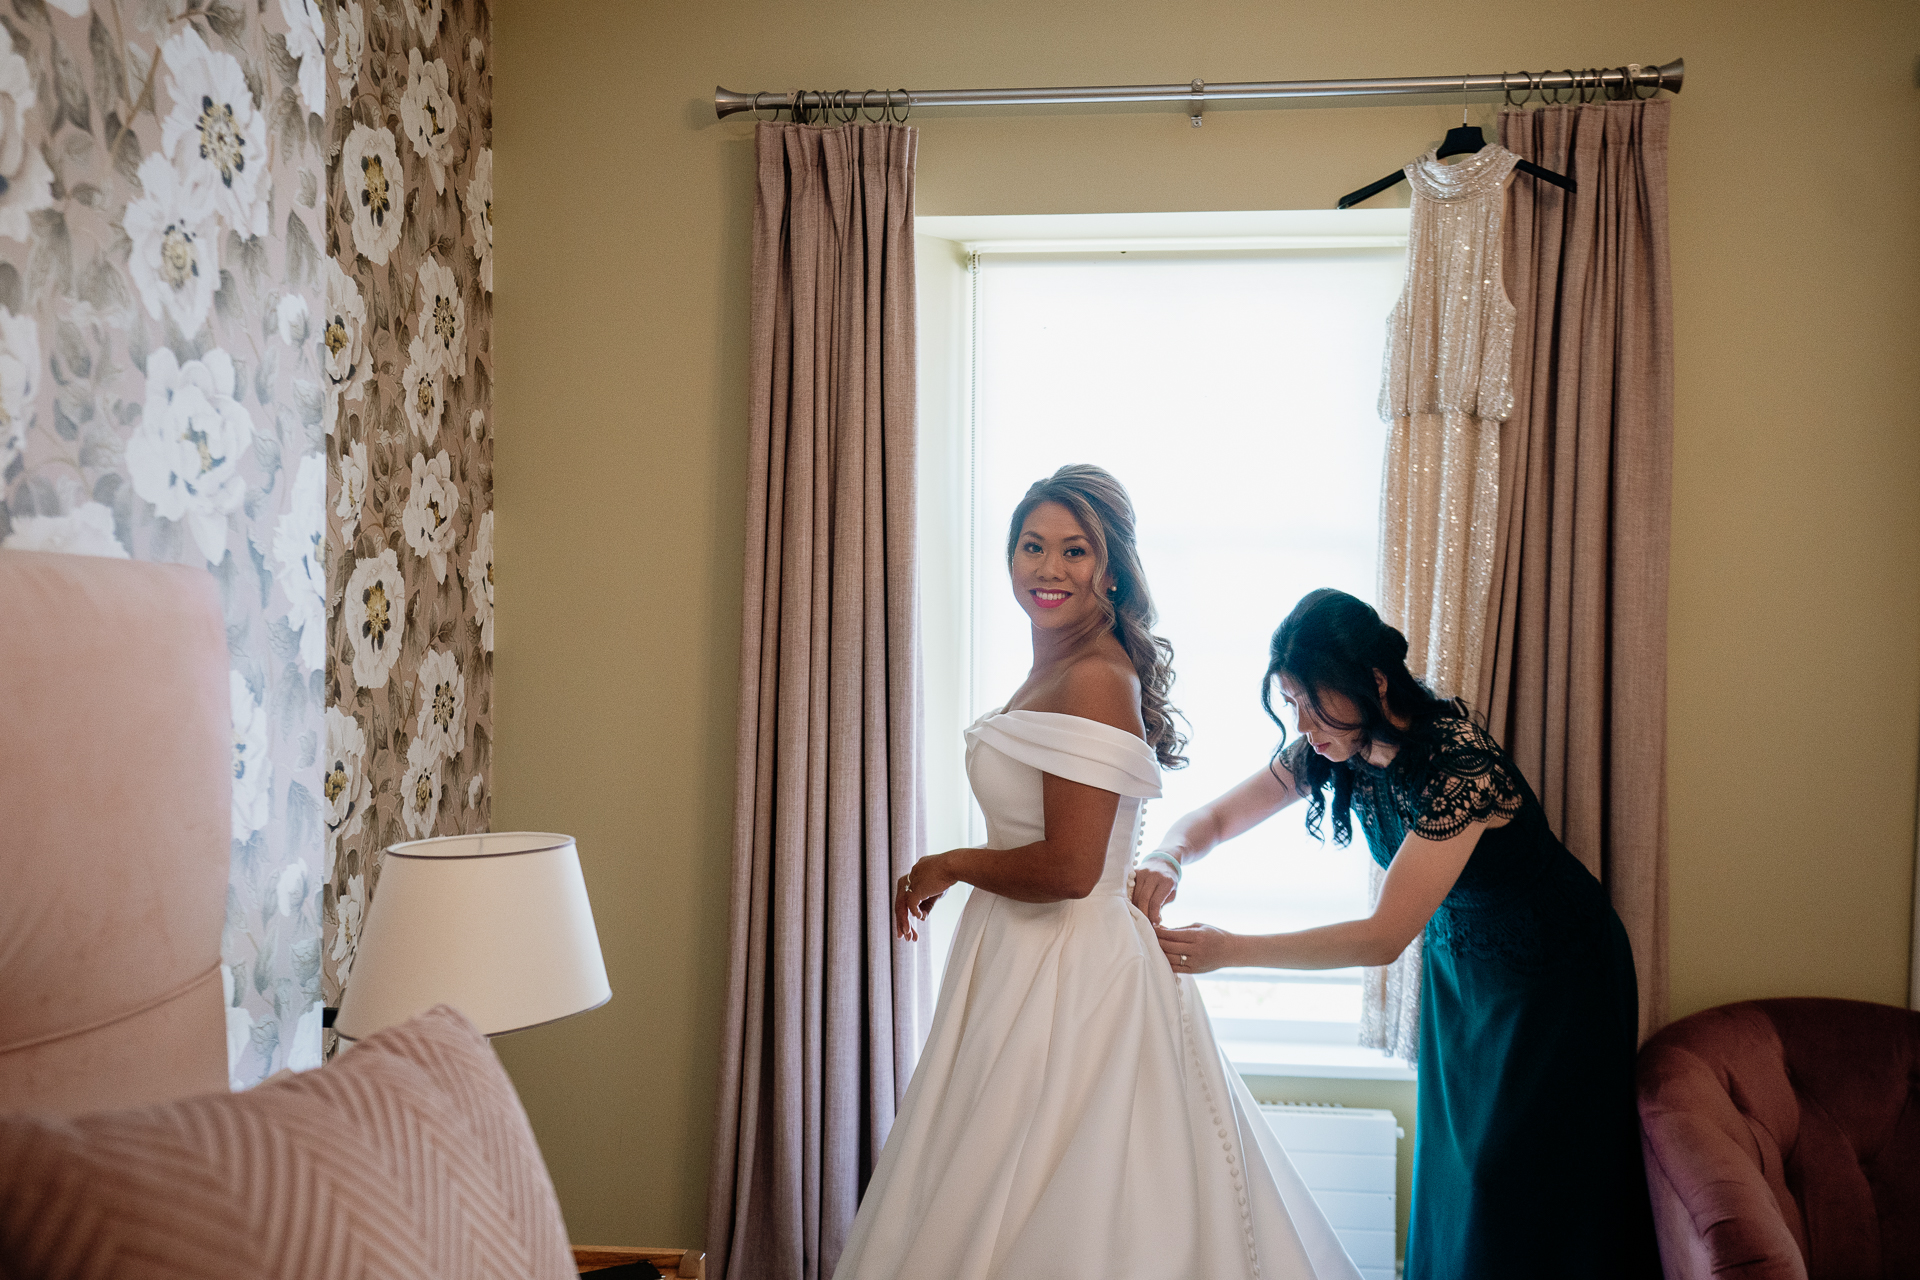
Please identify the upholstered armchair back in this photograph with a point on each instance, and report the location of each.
(116, 755)
(1783, 1141)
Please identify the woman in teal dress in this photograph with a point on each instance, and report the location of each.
(1527, 1155)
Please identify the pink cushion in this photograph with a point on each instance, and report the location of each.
(407, 1157)
(116, 759)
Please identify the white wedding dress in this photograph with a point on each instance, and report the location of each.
(1071, 1117)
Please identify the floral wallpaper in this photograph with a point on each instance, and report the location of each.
(163, 392)
(405, 330)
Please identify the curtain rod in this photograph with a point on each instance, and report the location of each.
(895, 104)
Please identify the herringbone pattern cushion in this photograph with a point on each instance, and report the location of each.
(408, 1157)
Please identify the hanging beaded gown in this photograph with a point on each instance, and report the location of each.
(1446, 387)
(1071, 1117)
(1527, 1160)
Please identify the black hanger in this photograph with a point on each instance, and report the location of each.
(1461, 140)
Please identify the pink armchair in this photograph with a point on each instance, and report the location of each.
(1783, 1141)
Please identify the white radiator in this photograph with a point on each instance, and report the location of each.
(1348, 1159)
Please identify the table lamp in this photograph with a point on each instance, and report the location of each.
(496, 925)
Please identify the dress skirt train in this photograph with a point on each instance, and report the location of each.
(1071, 1117)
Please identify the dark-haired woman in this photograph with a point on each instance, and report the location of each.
(1527, 1158)
(1070, 1117)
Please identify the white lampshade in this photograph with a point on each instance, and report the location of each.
(498, 926)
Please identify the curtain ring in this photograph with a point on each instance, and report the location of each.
(1588, 81)
(1633, 83)
(849, 111)
(1556, 100)
(1507, 93)
(906, 108)
(774, 119)
(881, 118)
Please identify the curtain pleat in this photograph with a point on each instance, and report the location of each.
(822, 1002)
(1573, 680)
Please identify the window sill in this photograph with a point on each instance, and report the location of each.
(1313, 1061)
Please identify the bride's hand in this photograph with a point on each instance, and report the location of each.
(1153, 889)
(1198, 948)
(916, 892)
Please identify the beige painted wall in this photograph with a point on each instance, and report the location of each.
(621, 314)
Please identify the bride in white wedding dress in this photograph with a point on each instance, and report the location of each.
(1071, 1117)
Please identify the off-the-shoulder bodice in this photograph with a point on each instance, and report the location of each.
(1007, 751)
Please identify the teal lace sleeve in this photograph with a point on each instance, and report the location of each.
(1468, 779)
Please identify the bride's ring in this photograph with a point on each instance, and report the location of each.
(1183, 959)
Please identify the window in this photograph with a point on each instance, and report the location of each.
(1229, 382)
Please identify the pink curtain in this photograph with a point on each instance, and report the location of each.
(822, 1003)
(1574, 676)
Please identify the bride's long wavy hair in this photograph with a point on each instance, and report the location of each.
(1102, 507)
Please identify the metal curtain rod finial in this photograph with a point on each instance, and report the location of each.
(1629, 81)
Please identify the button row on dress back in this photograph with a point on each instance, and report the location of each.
(1213, 1109)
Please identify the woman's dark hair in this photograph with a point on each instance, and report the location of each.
(1104, 511)
(1333, 643)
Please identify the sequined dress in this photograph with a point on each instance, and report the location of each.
(1527, 1155)
(1446, 387)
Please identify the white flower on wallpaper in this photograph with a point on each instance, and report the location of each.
(214, 134)
(252, 771)
(299, 549)
(431, 504)
(426, 115)
(480, 214)
(443, 317)
(26, 183)
(19, 381)
(423, 389)
(293, 886)
(476, 786)
(345, 785)
(185, 454)
(87, 530)
(480, 579)
(349, 914)
(72, 8)
(377, 190)
(353, 488)
(349, 47)
(307, 1053)
(343, 341)
(477, 425)
(376, 617)
(421, 788)
(239, 1025)
(176, 245)
(424, 17)
(307, 41)
(292, 320)
(442, 719)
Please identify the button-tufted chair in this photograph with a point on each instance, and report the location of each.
(1783, 1141)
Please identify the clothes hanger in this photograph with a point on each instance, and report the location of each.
(1463, 139)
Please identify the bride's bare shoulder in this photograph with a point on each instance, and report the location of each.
(1098, 686)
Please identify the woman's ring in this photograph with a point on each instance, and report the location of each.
(1183, 959)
